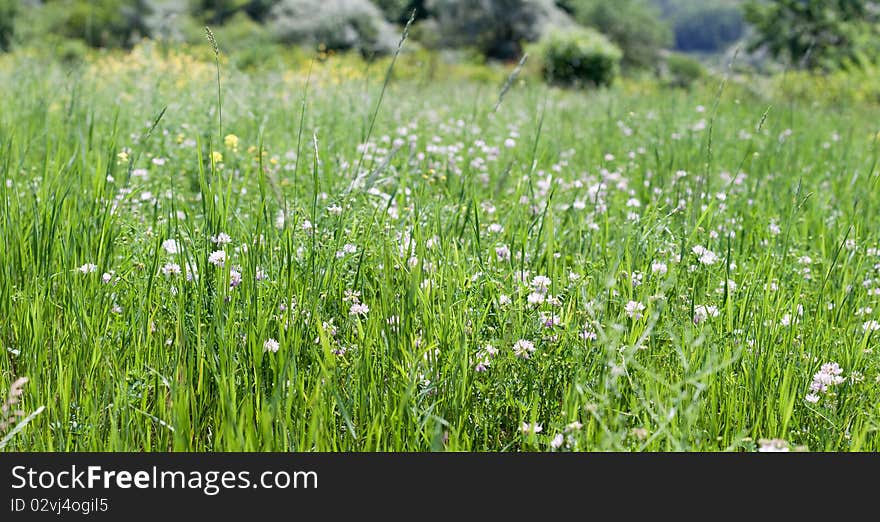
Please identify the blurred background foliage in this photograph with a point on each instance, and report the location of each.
(812, 45)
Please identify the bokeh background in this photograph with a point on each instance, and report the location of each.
(582, 43)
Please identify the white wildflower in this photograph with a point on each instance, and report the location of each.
(523, 348)
(271, 345)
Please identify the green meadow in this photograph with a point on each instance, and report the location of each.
(359, 256)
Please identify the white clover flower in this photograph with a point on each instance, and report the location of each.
(523, 348)
(485, 356)
(348, 248)
(634, 309)
(557, 441)
(706, 256)
(731, 286)
(170, 269)
(773, 446)
(234, 278)
(221, 239)
(828, 375)
(659, 268)
(535, 298)
(217, 258)
(703, 312)
(502, 253)
(549, 320)
(871, 326)
(831, 368)
(636, 279)
(170, 246)
(106, 277)
(88, 268)
(271, 345)
(541, 283)
(531, 428)
(358, 309)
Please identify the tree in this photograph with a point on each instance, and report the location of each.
(102, 23)
(634, 25)
(495, 27)
(215, 12)
(817, 34)
(8, 10)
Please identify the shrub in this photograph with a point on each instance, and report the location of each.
(635, 26)
(104, 23)
(816, 34)
(495, 27)
(247, 43)
(579, 57)
(337, 24)
(681, 71)
(71, 51)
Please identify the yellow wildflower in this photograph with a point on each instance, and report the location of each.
(216, 156)
(231, 141)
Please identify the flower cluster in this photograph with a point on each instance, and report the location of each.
(523, 348)
(829, 375)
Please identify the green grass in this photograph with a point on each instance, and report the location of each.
(162, 362)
